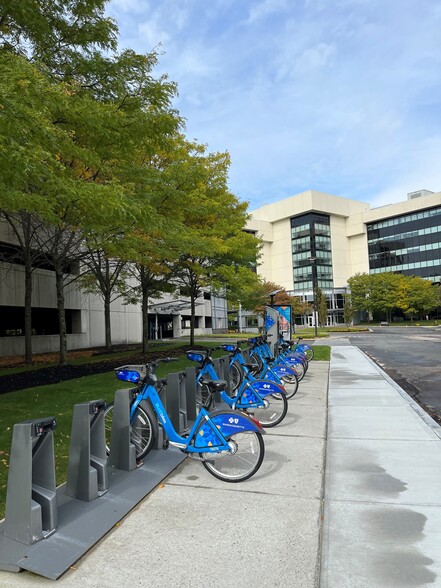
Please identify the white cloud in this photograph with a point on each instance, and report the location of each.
(152, 34)
(260, 11)
(341, 96)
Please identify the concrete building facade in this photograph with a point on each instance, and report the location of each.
(169, 317)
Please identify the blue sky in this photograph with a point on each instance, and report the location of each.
(341, 96)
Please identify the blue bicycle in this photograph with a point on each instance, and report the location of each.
(261, 353)
(228, 443)
(263, 399)
(258, 368)
(295, 347)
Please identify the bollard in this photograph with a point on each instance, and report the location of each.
(31, 500)
(122, 451)
(87, 476)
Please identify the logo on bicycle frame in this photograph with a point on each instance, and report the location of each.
(233, 420)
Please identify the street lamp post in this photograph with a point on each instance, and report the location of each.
(313, 261)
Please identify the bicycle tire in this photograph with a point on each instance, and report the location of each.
(274, 413)
(291, 384)
(309, 353)
(141, 431)
(204, 398)
(299, 369)
(236, 377)
(241, 465)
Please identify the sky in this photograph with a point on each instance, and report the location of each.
(339, 96)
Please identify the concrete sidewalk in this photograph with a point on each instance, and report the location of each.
(195, 530)
(380, 498)
(382, 519)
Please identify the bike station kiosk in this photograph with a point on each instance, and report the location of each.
(47, 529)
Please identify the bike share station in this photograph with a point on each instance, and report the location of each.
(47, 529)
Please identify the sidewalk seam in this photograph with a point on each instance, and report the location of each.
(318, 569)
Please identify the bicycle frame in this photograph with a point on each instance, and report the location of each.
(250, 394)
(268, 372)
(209, 431)
(280, 368)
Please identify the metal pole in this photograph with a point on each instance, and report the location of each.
(313, 261)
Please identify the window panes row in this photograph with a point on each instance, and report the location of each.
(398, 220)
(407, 250)
(409, 234)
(408, 266)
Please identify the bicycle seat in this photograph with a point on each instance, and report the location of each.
(253, 367)
(214, 385)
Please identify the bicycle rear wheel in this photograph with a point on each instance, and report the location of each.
(273, 413)
(236, 376)
(141, 430)
(242, 463)
(204, 398)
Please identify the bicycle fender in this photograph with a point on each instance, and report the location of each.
(282, 370)
(265, 387)
(304, 347)
(291, 360)
(234, 421)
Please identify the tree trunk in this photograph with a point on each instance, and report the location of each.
(28, 312)
(61, 317)
(192, 317)
(107, 326)
(145, 322)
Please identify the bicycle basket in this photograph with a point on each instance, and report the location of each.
(195, 356)
(229, 348)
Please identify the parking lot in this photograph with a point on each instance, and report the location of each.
(409, 355)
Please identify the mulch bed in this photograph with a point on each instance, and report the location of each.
(57, 373)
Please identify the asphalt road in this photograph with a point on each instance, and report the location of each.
(411, 356)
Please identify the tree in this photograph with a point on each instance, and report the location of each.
(24, 252)
(348, 312)
(212, 240)
(384, 292)
(361, 293)
(106, 277)
(322, 308)
(61, 35)
(89, 126)
(417, 295)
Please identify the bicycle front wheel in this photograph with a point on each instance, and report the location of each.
(299, 370)
(141, 431)
(273, 413)
(245, 459)
(309, 352)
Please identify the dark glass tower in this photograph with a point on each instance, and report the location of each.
(311, 239)
(408, 244)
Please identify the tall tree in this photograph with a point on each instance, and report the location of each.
(322, 308)
(348, 311)
(212, 238)
(416, 296)
(361, 288)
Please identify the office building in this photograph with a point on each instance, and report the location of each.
(319, 238)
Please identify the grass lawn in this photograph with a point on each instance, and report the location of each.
(58, 400)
